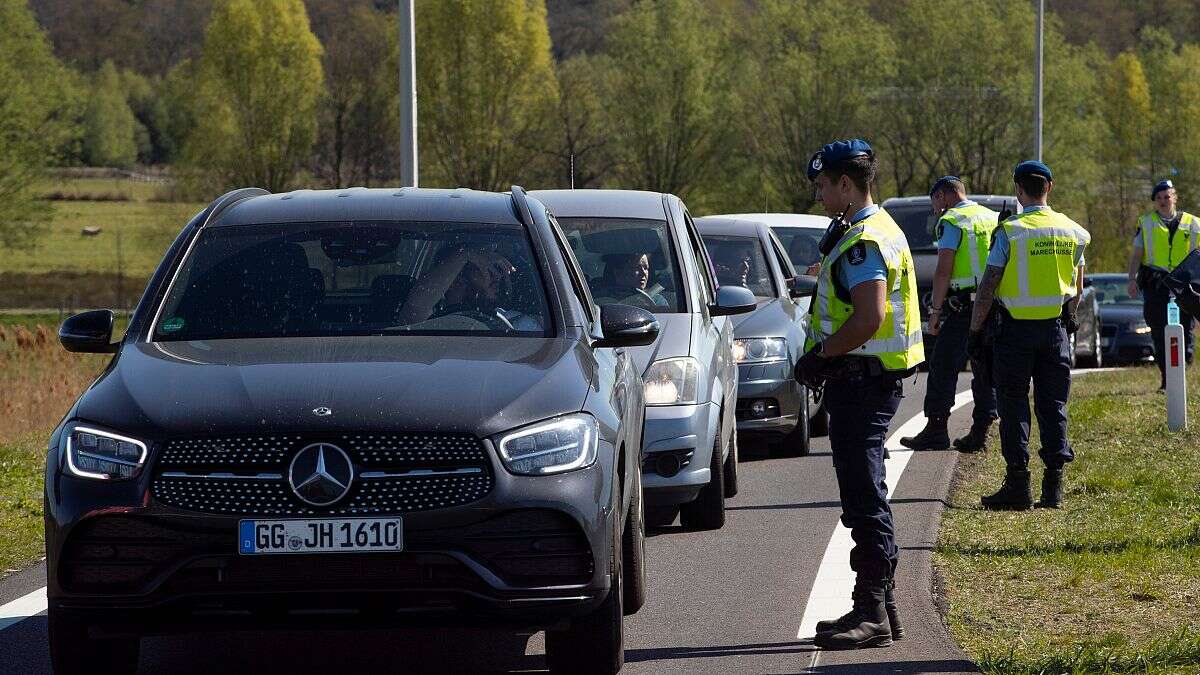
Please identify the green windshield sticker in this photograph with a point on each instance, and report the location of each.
(171, 325)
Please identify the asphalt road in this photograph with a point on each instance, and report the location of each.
(719, 602)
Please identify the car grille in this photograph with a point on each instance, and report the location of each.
(394, 473)
(115, 553)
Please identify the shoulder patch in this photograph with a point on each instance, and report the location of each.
(857, 253)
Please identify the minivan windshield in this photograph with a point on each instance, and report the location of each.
(362, 278)
(628, 261)
(739, 261)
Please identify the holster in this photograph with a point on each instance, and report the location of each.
(1150, 279)
(958, 301)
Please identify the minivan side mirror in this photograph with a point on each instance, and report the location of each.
(626, 326)
(89, 332)
(801, 286)
(733, 300)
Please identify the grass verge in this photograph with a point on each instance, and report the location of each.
(1111, 582)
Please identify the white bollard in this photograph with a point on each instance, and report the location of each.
(1176, 377)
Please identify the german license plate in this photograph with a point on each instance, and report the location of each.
(1104, 342)
(328, 535)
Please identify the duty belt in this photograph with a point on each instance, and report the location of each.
(860, 367)
(959, 301)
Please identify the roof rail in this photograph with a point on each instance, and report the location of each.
(220, 204)
(522, 205)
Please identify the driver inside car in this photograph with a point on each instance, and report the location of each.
(732, 264)
(467, 281)
(626, 277)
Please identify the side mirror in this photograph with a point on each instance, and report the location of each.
(1087, 282)
(733, 300)
(626, 326)
(89, 332)
(801, 286)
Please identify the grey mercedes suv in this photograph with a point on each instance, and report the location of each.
(642, 249)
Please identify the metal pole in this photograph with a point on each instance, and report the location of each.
(408, 96)
(1037, 81)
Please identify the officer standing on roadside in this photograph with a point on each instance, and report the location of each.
(1163, 239)
(1035, 271)
(864, 338)
(964, 231)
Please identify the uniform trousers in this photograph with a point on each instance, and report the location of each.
(947, 361)
(1036, 351)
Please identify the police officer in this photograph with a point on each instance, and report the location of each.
(864, 338)
(964, 231)
(1035, 271)
(1163, 239)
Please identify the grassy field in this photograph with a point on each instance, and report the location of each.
(41, 381)
(1111, 582)
(69, 269)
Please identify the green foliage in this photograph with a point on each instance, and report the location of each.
(255, 95)
(1125, 104)
(486, 91)
(666, 93)
(359, 129)
(583, 145)
(39, 108)
(110, 136)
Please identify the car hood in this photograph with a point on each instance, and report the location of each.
(769, 319)
(479, 385)
(1121, 314)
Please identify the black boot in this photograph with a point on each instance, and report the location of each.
(976, 438)
(935, 435)
(866, 625)
(1051, 489)
(1013, 495)
(889, 603)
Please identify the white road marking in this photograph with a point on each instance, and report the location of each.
(22, 608)
(830, 595)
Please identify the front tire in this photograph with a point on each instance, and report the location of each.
(707, 511)
(594, 644)
(633, 549)
(819, 422)
(796, 442)
(731, 468)
(73, 650)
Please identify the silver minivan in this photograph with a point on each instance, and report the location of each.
(642, 249)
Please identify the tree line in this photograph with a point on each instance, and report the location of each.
(719, 101)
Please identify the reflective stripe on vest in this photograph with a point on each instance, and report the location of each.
(1040, 274)
(976, 223)
(1159, 250)
(898, 341)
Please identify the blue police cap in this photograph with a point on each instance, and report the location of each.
(1032, 167)
(941, 182)
(1160, 186)
(836, 152)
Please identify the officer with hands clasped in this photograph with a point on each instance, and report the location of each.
(964, 231)
(864, 337)
(1035, 271)
(1163, 239)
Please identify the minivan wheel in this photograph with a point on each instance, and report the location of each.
(73, 650)
(633, 548)
(594, 643)
(731, 468)
(707, 512)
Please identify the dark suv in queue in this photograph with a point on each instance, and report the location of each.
(353, 408)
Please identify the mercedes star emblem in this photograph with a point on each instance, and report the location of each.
(322, 412)
(321, 474)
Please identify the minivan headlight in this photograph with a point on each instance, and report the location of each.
(672, 381)
(103, 455)
(554, 446)
(758, 350)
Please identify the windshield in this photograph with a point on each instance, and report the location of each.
(740, 261)
(1113, 292)
(325, 279)
(918, 223)
(627, 261)
(801, 246)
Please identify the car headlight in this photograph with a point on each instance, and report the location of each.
(1139, 327)
(672, 381)
(756, 350)
(103, 455)
(554, 446)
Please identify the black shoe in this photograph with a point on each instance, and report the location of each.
(866, 625)
(976, 438)
(1013, 495)
(935, 436)
(1051, 489)
(889, 604)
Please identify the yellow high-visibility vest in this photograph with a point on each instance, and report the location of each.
(898, 342)
(976, 223)
(1040, 274)
(1159, 249)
